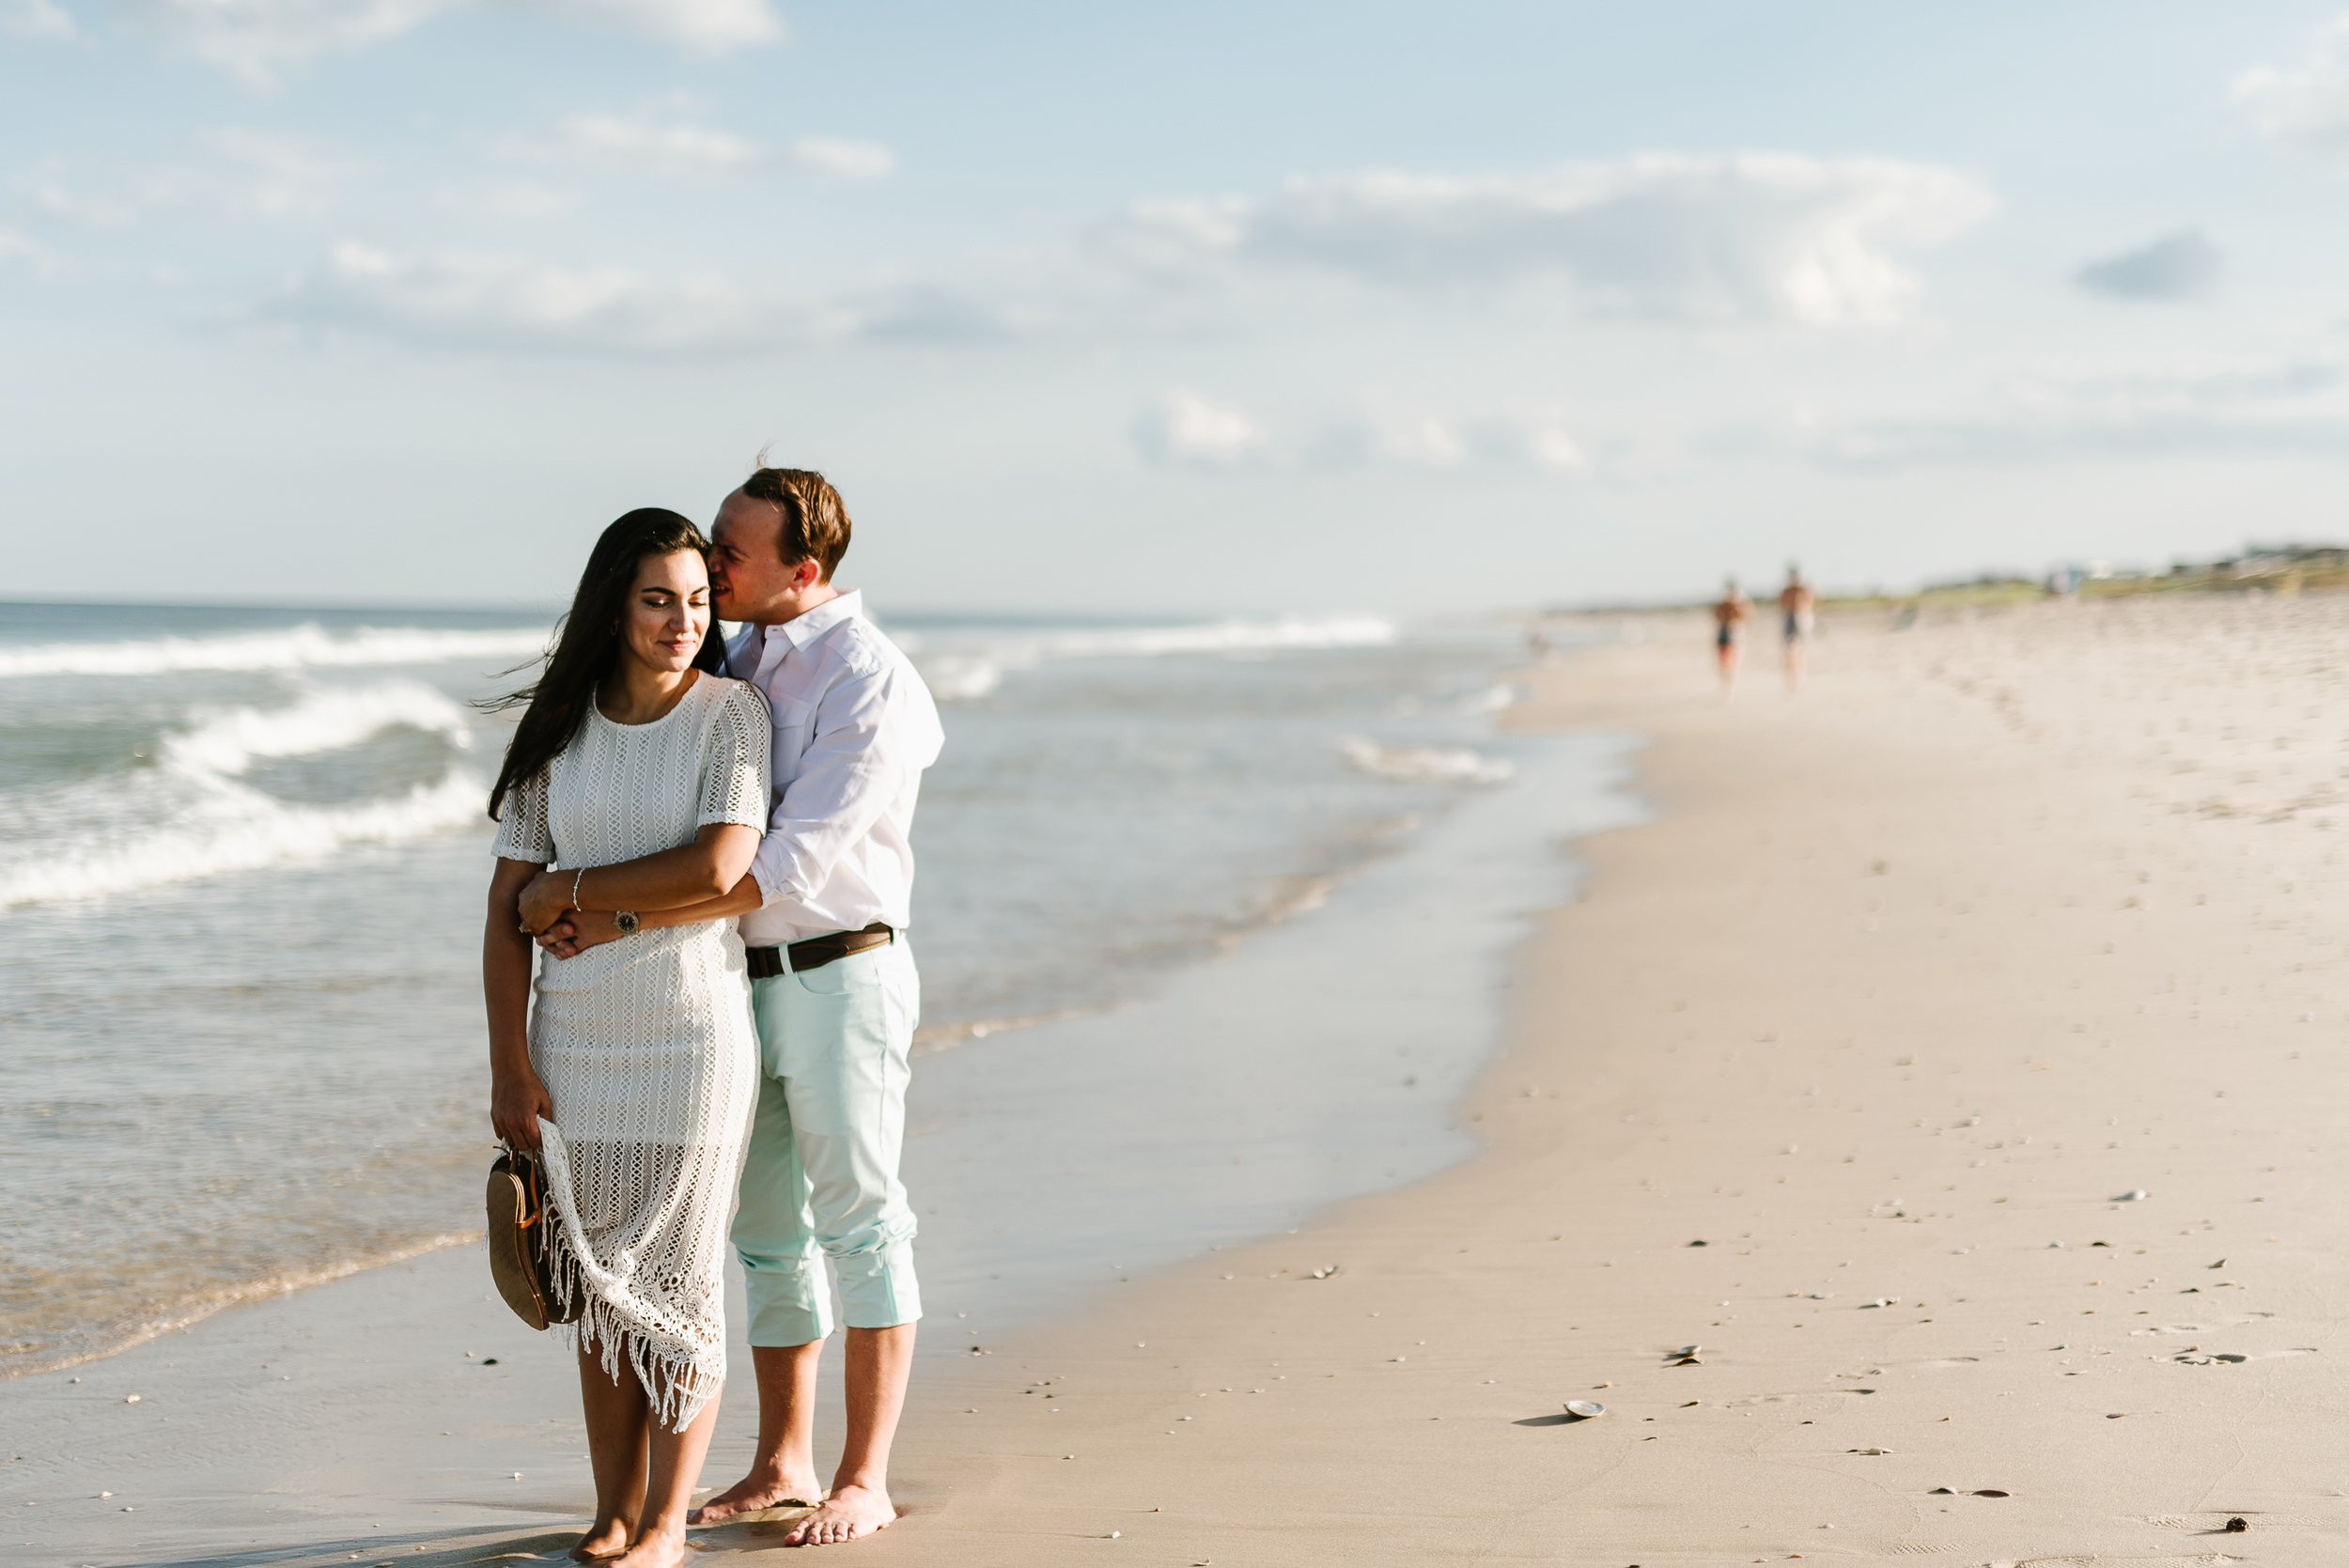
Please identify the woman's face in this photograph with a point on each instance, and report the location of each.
(667, 613)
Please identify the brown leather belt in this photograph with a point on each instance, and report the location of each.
(815, 953)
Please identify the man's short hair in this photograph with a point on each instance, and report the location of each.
(814, 520)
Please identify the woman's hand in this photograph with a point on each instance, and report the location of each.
(516, 1103)
(544, 898)
(578, 931)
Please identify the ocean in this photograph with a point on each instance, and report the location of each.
(242, 854)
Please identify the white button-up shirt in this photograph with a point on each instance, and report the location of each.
(854, 728)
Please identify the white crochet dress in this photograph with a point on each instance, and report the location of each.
(645, 1043)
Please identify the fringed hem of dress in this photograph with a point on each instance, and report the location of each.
(679, 1376)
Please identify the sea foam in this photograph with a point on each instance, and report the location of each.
(1424, 762)
(306, 647)
(230, 742)
(961, 667)
(227, 826)
(190, 815)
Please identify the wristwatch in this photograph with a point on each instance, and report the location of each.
(627, 923)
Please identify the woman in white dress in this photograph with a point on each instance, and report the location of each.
(635, 1073)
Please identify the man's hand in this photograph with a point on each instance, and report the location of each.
(576, 932)
(544, 898)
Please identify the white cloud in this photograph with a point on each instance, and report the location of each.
(1422, 441)
(35, 18)
(1183, 429)
(476, 300)
(2304, 105)
(22, 247)
(2220, 387)
(510, 198)
(929, 313)
(258, 42)
(1549, 443)
(840, 157)
(706, 26)
(647, 141)
(471, 300)
(2240, 406)
(1745, 236)
(228, 174)
(2182, 266)
(1542, 437)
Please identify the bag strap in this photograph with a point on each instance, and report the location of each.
(525, 1167)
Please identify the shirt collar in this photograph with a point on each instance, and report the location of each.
(806, 628)
(742, 651)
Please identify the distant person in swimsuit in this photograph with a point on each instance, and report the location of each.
(1796, 605)
(1729, 625)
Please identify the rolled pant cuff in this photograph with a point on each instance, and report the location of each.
(878, 1290)
(790, 1306)
(784, 1313)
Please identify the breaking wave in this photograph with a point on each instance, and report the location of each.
(191, 814)
(1420, 763)
(227, 826)
(231, 742)
(300, 648)
(962, 667)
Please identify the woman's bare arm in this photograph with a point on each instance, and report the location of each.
(576, 930)
(706, 869)
(517, 1098)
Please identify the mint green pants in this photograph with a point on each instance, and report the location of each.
(821, 1180)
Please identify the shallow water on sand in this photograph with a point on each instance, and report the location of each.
(241, 857)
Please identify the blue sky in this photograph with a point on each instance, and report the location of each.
(1220, 307)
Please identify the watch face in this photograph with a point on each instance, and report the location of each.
(625, 921)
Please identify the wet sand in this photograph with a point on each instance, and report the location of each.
(1913, 978)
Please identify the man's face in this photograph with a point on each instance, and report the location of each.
(746, 574)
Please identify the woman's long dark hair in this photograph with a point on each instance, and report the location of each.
(587, 643)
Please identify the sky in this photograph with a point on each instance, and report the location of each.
(1204, 309)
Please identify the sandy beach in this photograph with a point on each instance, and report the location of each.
(1952, 1060)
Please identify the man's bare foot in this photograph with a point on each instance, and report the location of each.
(755, 1492)
(607, 1540)
(850, 1514)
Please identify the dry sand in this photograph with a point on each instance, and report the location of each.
(1913, 977)
(1911, 980)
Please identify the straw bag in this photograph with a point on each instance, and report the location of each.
(522, 1248)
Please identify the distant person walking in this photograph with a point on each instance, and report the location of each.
(1797, 607)
(1730, 615)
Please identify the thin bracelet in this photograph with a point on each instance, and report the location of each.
(582, 872)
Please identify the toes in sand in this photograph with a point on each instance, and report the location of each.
(849, 1514)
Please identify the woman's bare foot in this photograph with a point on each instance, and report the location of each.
(605, 1541)
(755, 1492)
(655, 1549)
(850, 1514)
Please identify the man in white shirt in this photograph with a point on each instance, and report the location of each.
(823, 916)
